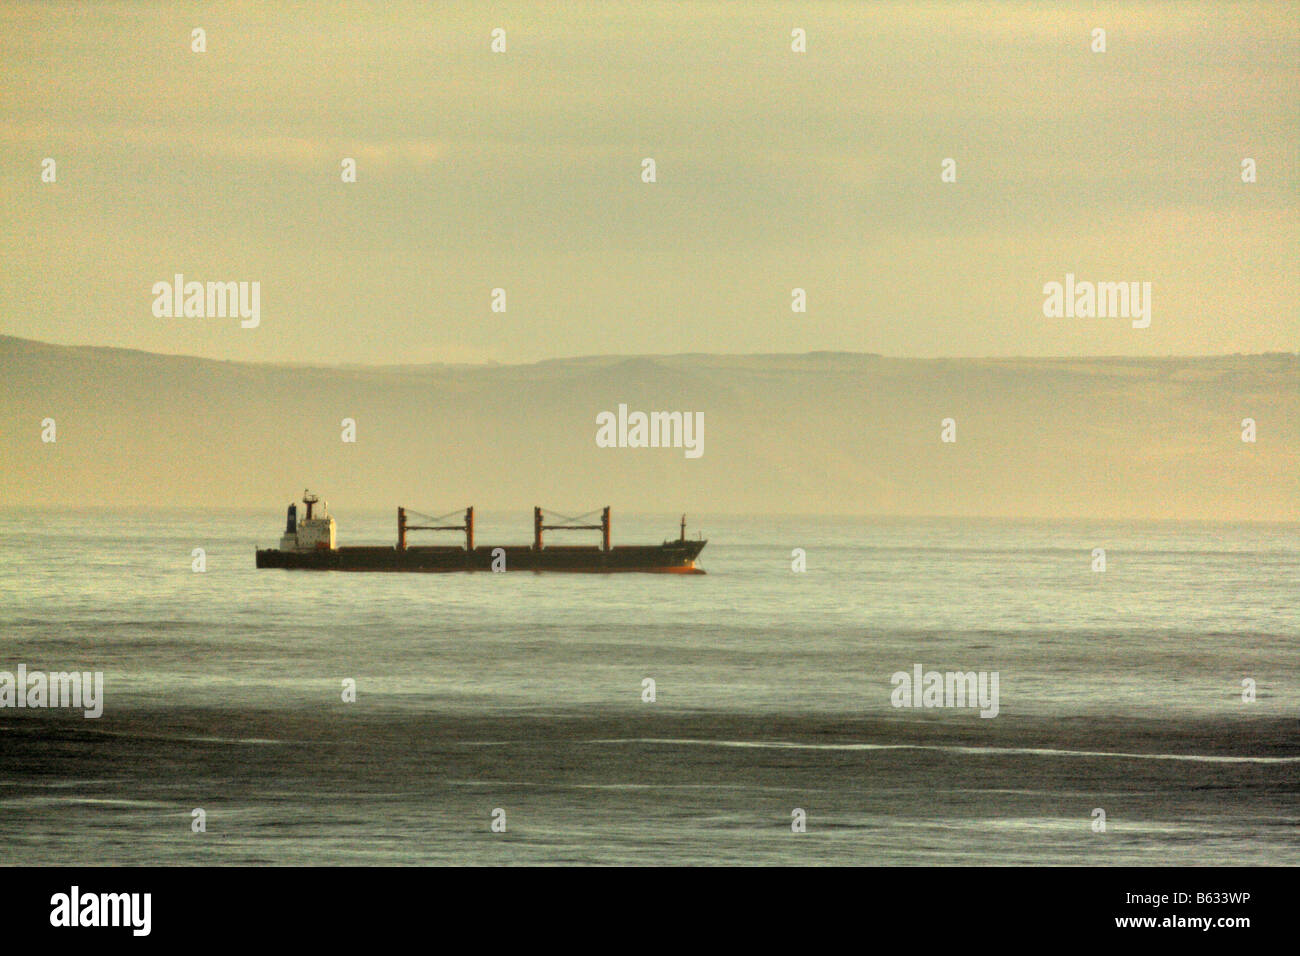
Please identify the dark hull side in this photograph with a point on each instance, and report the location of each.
(672, 557)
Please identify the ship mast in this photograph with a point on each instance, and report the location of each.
(403, 526)
(540, 526)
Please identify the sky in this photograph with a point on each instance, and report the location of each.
(775, 170)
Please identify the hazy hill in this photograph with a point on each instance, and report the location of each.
(828, 433)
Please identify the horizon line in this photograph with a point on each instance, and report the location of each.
(376, 510)
(493, 363)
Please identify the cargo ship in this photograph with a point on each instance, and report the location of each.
(309, 544)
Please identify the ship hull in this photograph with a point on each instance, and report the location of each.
(672, 557)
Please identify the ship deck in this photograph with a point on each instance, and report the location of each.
(672, 557)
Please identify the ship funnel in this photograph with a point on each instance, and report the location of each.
(291, 520)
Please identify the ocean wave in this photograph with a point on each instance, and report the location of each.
(946, 748)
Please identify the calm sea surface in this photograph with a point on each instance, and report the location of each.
(522, 693)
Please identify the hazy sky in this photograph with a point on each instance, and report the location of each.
(775, 170)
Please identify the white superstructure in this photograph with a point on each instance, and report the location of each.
(315, 532)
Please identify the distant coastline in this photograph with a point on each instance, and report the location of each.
(818, 433)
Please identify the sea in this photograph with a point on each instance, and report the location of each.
(1147, 697)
